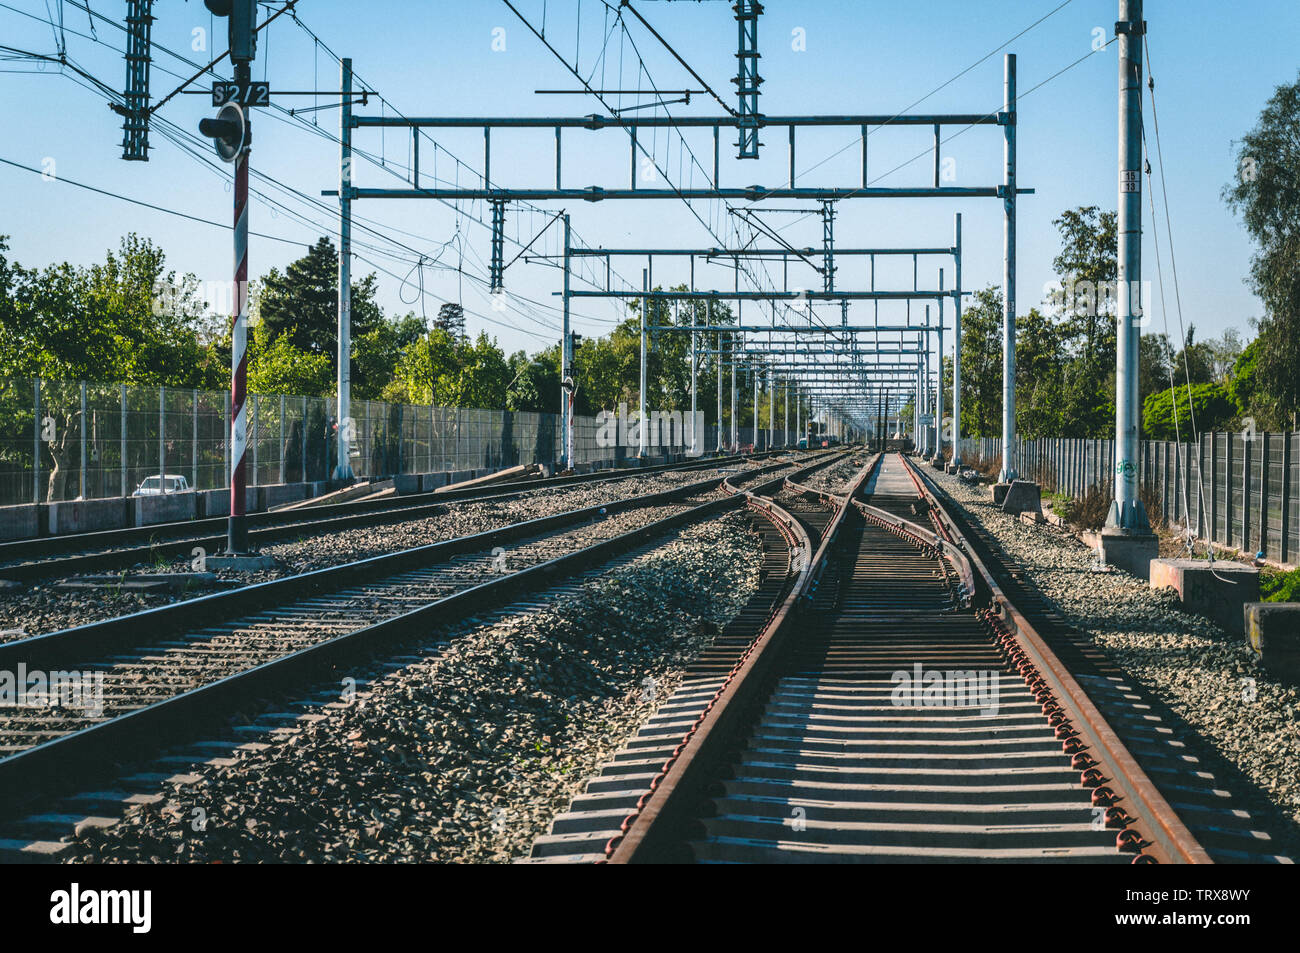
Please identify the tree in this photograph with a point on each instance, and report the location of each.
(981, 365)
(126, 320)
(303, 303)
(451, 318)
(1211, 407)
(535, 381)
(1265, 196)
(277, 366)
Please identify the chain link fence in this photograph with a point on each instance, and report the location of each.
(64, 440)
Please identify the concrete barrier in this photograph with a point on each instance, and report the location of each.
(1220, 591)
(88, 516)
(431, 481)
(20, 522)
(166, 508)
(273, 494)
(1273, 631)
(408, 483)
(213, 503)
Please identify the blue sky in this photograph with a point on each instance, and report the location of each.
(1215, 65)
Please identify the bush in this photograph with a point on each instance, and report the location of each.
(1214, 410)
(1280, 586)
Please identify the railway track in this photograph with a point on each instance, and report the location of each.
(54, 557)
(882, 700)
(177, 670)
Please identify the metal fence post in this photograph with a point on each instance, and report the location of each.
(1263, 496)
(1214, 495)
(82, 482)
(194, 438)
(122, 436)
(225, 442)
(1246, 487)
(303, 430)
(283, 441)
(255, 435)
(36, 440)
(162, 437)
(1287, 437)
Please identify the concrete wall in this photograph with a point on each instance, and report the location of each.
(20, 522)
(88, 516)
(167, 508)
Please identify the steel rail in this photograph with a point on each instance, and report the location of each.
(80, 758)
(1105, 763)
(647, 834)
(294, 524)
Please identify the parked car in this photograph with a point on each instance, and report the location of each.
(158, 486)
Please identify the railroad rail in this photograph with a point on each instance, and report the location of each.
(182, 668)
(892, 705)
(52, 557)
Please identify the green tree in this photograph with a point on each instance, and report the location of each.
(1264, 193)
(277, 366)
(127, 319)
(981, 365)
(1210, 405)
(303, 303)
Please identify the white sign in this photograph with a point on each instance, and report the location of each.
(1129, 181)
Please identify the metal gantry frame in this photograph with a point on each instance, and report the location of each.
(748, 123)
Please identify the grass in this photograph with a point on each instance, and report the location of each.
(1276, 586)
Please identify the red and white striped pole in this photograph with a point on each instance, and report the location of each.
(237, 529)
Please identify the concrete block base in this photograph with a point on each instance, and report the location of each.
(1000, 491)
(1220, 591)
(1023, 496)
(1133, 554)
(250, 563)
(951, 469)
(1273, 631)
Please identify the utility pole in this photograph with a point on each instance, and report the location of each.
(696, 448)
(771, 411)
(785, 405)
(938, 390)
(641, 422)
(1008, 473)
(735, 435)
(718, 358)
(1127, 531)
(956, 347)
(344, 424)
(232, 133)
(567, 388)
(753, 372)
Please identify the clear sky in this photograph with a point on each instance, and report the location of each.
(1215, 65)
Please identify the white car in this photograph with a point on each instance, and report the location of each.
(157, 486)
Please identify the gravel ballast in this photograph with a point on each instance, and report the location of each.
(40, 608)
(467, 754)
(1211, 679)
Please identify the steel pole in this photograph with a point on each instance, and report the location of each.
(342, 415)
(1126, 511)
(719, 359)
(1009, 275)
(938, 390)
(237, 524)
(696, 449)
(956, 344)
(641, 421)
(566, 371)
(735, 437)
